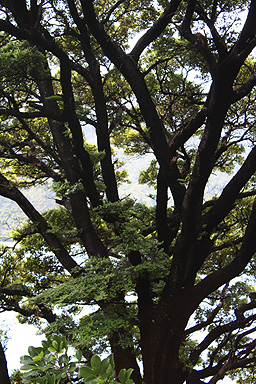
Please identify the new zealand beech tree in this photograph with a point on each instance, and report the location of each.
(171, 283)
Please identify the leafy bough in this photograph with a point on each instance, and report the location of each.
(51, 364)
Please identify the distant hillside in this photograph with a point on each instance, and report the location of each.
(11, 215)
(43, 198)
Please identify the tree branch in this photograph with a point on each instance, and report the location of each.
(11, 192)
(247, 39)
(244, 89)
(216, 279)
(218, 40)
(156, 29)
(211, 317)
(230, 193)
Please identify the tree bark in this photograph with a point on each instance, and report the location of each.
(4, 376)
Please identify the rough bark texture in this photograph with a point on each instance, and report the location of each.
(4, 377)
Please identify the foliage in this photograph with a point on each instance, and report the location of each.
(4, 336)
(52, 364)
(18, 58)
(16, 377)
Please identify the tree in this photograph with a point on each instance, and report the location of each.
(184, 92)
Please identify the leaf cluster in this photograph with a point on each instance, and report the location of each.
(51, 364)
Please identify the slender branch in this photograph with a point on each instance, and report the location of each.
(211, 317)
(231, 192)
(15, 292)
(247, 39)
(227, 244)
(218, 40)
(27, 115)
(8, 190)
(156, 29)
(218, 331)
(111, 10)
(244, 89)
(33, 161)
(216, 279)
(198, 40)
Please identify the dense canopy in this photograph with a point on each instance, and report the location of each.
(172, 82)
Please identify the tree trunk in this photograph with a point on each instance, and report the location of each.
(125, 358)
(162, 338)
(4, 377)
(165, 366)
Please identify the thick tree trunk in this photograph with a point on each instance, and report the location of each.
(164, 366)
(4, 377)
(162, 339)
(125, 358)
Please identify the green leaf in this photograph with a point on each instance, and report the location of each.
(104, 366)
(46, 344)
(94, 381)
(63, 375)
(55, 345)
(50, 358)
(122, 376)
(57, 338)
(72, 367)
(34, 351)
(79, 356)
(109, 371)
(90, 379)
(63, 359)
(28, 367)
(128, 373)
(51, 349)
(50, 379)
(85, 372)
(25, 359)
(40, 363)
(28, 374)
(39, 357)
(111, 361)
(64, 341)
(96, 363)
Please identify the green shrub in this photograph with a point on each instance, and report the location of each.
(51, 364)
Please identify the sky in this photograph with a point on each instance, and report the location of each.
(21, 336)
